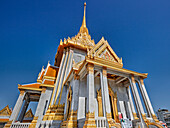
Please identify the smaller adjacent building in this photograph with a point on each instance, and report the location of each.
(6, 112)
(164, 116)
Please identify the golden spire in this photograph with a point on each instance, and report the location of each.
(84, 17)
(83, 27)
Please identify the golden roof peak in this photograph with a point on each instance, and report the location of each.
(83, 27)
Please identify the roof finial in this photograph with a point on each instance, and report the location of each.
(84, 17)
(83, 27)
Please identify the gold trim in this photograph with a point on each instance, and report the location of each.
(47, 85)
(49, 77)
(8, 124)
(28, 88)
(71, 121)
(155, 118)
(100, 63)
(22, 92)
(61, 84)
(111, 122)
(76, 77)
(39, 81)
(90, 68)
(113, 96)
(43, 90)
(155, 124)
(54, 112)
(34, 122)
(104, 72)
(99, 99)
(90, 120)
(9, 112)
(135, 116)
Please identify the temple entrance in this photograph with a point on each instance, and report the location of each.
(113, 104)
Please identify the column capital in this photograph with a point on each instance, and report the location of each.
(67, 49)
(104, 71)
(43, 89)
(90, 68)
(22, 92)
(64, 50)
(132, 78)
(71, 49)
(141, 80)
(76, 76)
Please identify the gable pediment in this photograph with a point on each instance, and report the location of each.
(29, 114)
(5, 111)
(103, 50)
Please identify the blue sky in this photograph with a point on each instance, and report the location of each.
(138, 31)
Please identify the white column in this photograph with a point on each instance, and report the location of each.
(102, 90)
(67, 69)
(42, 105)
(131, 103)
(138, 97)
(145, 94)
(24, 109)
(75, 98)
(90, 89)
(59, 85)
(137, 101)
(17, 107)
(90, 114)
(65, 107)
(69, 62)
(58, 78)
(106, 92)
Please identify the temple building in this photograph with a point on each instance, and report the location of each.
(87, 87)
(5, 114)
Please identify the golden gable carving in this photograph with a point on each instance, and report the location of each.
(103, 50)
(5, 111)
(29, 114)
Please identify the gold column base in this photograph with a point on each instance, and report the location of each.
(34, 122)
(90, 121)
(155, 124)
(8, 124)
(135, 116)
(144, 117)
(55, 112)
(155, 118)
(71, 121)
(111, 122)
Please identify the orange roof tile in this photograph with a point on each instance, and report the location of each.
(41, 75)
(52, 71)
(4, 120)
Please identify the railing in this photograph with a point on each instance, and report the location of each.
(101, 122)
(20, 125)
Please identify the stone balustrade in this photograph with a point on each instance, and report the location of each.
(20, 125)
(100, 122)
